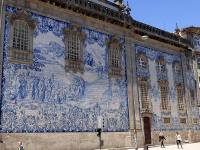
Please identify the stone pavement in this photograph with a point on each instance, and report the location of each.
(193, 146)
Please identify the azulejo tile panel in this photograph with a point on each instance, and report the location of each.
(44, 97)
(154, 93)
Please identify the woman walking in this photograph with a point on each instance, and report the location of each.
(178, 140)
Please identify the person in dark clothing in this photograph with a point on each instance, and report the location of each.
(20, 147)
(161, 139)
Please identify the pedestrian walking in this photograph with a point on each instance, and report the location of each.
(178, 140)
(20, 147)
(161, 139)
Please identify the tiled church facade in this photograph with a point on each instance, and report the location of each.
(47, 106)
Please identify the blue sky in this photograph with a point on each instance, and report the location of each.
(164, 14)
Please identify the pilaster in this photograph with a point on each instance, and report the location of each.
(187, 94)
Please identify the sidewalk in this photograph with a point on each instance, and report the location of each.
(193, 146)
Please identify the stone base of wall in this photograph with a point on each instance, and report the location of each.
(87, 140)
(187, 136)
(64, 141)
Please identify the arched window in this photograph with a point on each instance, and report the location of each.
(177, 68)
(74, 44)
(142, 61)
(114, 57)
(161, 67)
(21, 39)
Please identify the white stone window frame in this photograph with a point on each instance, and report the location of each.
(177, 67)
(142, 60)
(161, 65)
(21, 56)
(74, 40)
(167, 123)
(181, 119)
(114, 57)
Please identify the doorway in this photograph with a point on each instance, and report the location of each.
(147, 129)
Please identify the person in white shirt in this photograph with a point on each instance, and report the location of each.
(178, 140)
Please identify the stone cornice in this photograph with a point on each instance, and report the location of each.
(119, 18)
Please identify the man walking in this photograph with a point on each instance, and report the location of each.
(161, 139)
(20, 147)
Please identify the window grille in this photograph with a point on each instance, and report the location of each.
(164, 97)
(114, 58)
(192, 97)
(74, 48)
(183, 120)
(144, 94)
(166, 120)
(180, 100)
(74, 45)
(21, 38)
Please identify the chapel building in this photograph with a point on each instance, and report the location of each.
(69, 67)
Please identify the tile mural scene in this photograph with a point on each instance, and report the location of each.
(86, 75)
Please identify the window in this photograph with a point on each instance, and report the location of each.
(144, 94)
(183, 120)
(161, 65)
(142, 61)
(20, 36)
(195, 121)
(177, 68)
(74, 40)
(166, 120)
(180, 101)
(164, 95)
(192, 97)
(114, 58)
(21, 39)
(198, 63)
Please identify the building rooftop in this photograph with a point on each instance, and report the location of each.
(110, 12)
(192, 29)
